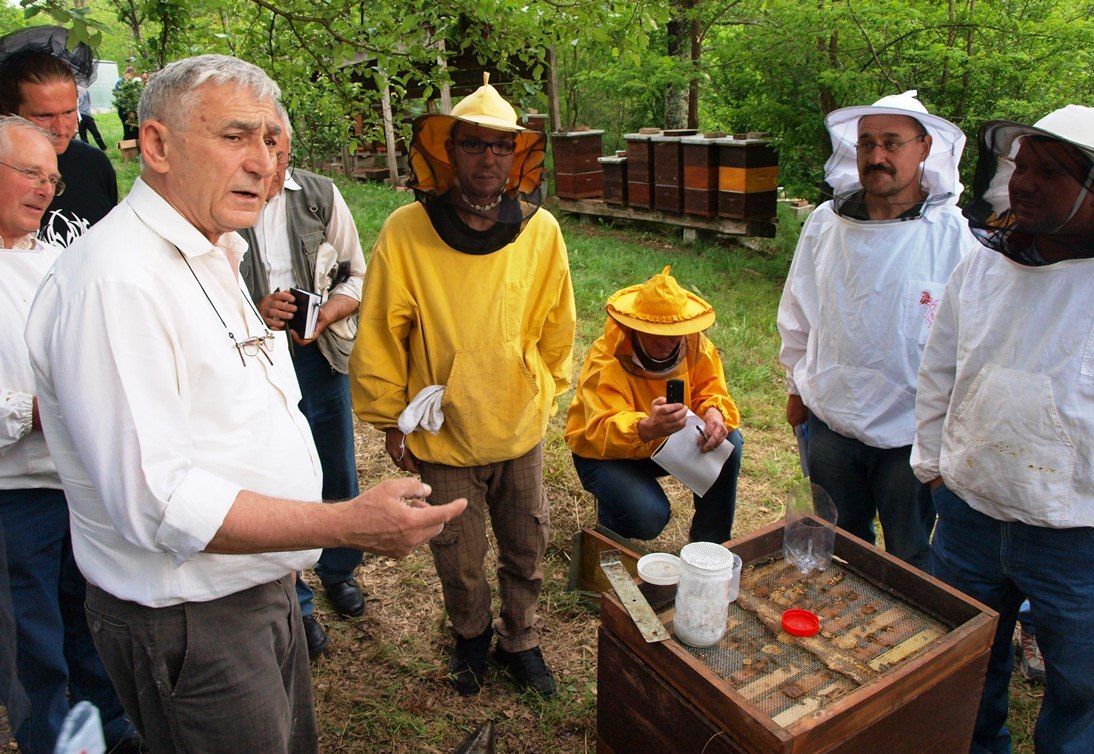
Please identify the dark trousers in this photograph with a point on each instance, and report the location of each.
(326, 405)
(1002, 563)
(55, 656)
(631, 502)
(225, 676)
(128, 131)
(864, 481)
(87, 123)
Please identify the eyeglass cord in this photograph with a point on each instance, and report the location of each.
(231, 334)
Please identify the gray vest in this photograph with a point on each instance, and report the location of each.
(308, 212)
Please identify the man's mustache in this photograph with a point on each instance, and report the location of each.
(879, 169)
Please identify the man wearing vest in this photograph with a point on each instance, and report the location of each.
(305, 238)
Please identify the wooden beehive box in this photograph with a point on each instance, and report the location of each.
(640, 168)
(748, 176)
(918, 683)
(577, 172)
(700, 157)
(614, 170)
(668, 174)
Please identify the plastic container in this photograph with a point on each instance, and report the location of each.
(810, 535)
(707, 574)
(659, 568)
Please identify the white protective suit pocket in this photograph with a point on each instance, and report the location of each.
(921, 301)
(1005, 445)
(852, 396)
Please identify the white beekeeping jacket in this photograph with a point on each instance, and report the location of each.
(856, 309)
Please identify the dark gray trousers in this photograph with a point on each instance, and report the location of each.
(228, 675)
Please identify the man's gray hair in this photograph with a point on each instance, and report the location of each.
(283, 116)
(169, 95)
(9, 123)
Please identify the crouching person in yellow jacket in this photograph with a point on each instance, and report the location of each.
(620, 416)
(464, 346)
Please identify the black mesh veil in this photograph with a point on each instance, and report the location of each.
(435, 185)
(1032, 198)
(52, 40)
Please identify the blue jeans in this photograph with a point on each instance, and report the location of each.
(1001, 564)
(326, 406)
(630, 501)
(55, 655)
(864, 481)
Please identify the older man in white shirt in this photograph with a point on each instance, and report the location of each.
(56, 660)
(859, 300)
(171, 412)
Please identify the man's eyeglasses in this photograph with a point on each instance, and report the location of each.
(890, 146)
(478, 146)
(255, 345)
(40, 179)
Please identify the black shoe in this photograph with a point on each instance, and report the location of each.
(346, 597)
(528, 670)
(468, 667)
(316, 637)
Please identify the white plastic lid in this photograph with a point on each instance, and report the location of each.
(707, 556)
(659, 568)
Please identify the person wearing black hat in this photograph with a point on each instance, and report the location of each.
(1005, 418)
(38, 78)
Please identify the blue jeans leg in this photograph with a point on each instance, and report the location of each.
(54, 651)
(864, 481)
(629, 499)
(326, 405)
(713, 519)
(1001, 564)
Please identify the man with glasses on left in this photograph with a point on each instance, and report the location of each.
(38, 78)
(305, 238)
(55, 656)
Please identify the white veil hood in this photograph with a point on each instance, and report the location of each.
(940, 169)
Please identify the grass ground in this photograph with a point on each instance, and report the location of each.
(381, 687)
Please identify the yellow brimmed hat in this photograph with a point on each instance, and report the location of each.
(432, 171)
(660, 306)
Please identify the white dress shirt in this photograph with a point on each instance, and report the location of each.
(272, 232)
(1005, 412)
(855, 313)
(24, 457)
(154, 420)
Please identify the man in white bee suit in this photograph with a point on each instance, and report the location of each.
(1005, 418)
(858, 303)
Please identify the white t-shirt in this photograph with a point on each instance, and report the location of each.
(1005, 412)
(24, 457)
(856, 309)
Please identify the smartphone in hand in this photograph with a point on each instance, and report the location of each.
(674, 391)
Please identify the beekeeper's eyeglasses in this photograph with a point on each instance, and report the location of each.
(890, 146)
(478, 146)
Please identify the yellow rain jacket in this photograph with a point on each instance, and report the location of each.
(614, 394)
(497, 330)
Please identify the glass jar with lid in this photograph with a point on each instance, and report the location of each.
(703, 594)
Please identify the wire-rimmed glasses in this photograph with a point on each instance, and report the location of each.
(255, 345)
(39, 178)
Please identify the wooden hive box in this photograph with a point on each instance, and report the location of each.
(577, 172)
(918, 695)
(748, 176)
(700, 157)
(536, 122)
(640, 169)
(668, 174)
(614, 170)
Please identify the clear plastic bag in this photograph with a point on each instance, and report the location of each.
(810, 533)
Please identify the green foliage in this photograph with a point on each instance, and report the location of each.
(126, 97)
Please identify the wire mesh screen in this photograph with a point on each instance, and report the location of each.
(865, 631)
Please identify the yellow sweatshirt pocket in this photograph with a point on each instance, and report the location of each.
(490, 409)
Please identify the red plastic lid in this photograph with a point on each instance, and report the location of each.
(798, 622)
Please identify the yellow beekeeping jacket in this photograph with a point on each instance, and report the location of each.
(614, 394)
(497, 330)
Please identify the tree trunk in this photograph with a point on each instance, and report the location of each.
(693, 84)
(552, 91)
(679, 47)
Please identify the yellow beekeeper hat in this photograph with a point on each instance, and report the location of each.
(660, 306)
(432, 171)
